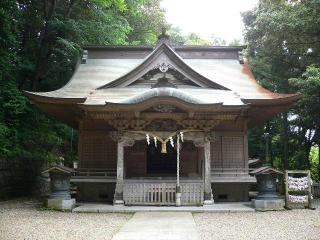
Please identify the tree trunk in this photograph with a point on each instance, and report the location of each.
(308, 149)
(285, 141)
(49, 7)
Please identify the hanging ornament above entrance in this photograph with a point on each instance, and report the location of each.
(165, 141)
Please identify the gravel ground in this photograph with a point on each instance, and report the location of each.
(22, 220)
(294, 224)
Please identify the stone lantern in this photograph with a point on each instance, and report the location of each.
(268, 198)
(60, 198)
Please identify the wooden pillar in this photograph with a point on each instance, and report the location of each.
(80, 143)
(208, 197)
(118, 194)
(245, 146)
(204, 142)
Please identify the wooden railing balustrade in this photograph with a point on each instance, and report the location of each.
(96, 172)
(162, 192)
(316, 190)
(229, 171)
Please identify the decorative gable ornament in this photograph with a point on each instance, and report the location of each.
(163, 67)
(164, 108)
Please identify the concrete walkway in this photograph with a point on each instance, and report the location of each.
(159, 226)
(217, 207)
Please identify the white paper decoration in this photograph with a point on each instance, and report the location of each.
(148, 139)
(181, 136)
(171, 142)
(298, 183)
(155, 141)
(298, 198)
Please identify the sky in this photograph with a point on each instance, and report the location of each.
(207, 18)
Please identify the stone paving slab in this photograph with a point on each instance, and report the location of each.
(159, 226)
(217, 207)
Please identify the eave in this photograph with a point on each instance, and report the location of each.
(65, 110)
(264, 110)
(275, 99)
(41, 98)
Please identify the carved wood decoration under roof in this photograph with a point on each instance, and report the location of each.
(161, 78)
(163, 124)
(163, 58)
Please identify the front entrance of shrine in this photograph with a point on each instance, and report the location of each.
(161, 164)
(151, 175)
(143, 160)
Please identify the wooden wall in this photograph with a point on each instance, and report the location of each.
(97, 150)
(191, 156)
(135, 159)
(229, 150)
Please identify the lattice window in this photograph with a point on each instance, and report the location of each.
(98, 152)
(232, 152)
(216, 161)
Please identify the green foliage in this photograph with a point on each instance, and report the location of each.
(146, 18)
(194, 39)
(314, 156)
(283, 50)
(308, 108)
(178, 38)
(40, 45)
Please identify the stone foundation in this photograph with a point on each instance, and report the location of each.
(95, 192)
(230, 192)
(60, 204)
(268, 204)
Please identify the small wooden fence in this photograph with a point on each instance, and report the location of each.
(161, 193)
(316, 190)
(298, 189)
(316, 195)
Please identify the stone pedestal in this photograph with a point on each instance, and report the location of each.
(118, 202)
(208, 202)
(268, 204)
(60, 204)
(178, 199)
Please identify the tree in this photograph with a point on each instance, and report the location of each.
(283, 40)
(308, 109)
(146, 19)
(41, 43)
(176, 36)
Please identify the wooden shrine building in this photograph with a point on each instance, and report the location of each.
(129, 104)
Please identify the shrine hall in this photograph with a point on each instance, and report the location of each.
(163, 124)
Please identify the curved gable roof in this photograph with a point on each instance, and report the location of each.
(107, 67)
(163, 55)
